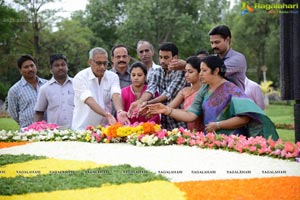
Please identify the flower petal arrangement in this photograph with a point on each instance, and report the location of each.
(151, 134)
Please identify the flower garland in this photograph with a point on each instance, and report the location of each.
(151, 134)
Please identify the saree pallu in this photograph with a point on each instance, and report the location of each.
(198, 123)
(229, 101)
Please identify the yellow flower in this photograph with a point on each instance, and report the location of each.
(266, 86)
(157, 127)
(88, 137)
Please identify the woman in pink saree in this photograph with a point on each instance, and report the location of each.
(187, 94)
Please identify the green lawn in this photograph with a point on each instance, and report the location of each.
(279, 114)
(8, 124)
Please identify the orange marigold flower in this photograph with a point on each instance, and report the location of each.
(148, 127)
(112, 130)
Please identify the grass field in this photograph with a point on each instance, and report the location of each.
(279, 114)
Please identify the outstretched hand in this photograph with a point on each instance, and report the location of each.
(111, 119)
(122, 118)
(157, 108)
(133, 109)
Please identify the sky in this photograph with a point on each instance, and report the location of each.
(67, 6)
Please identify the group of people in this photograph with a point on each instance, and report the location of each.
(203, 93)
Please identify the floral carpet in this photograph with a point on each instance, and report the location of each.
(80, 170)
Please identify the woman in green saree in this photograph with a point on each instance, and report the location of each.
(226, 108)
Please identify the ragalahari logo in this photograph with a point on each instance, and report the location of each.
(246, 8)
(275, 8)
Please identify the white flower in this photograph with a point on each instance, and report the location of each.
(16, 137)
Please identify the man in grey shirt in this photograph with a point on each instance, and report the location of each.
(235, 62)
(56, 97)
(120, 64)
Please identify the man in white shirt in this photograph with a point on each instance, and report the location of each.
(95, 90)
(145, 52)
(56, 97)
(253, 91)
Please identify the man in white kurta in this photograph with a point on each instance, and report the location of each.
(96, 89)
(253, 91)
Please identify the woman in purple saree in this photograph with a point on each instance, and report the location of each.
(226, 108)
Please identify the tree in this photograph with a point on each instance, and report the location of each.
(72, 39)
(256, 35)
(103, 17)
(39, 20)
(9, 20)
(182, 22)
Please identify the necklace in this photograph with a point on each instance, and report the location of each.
(137, 94)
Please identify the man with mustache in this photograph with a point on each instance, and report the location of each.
(23, 94)
(56, 97)
(96, 91)
(120, 64)
(235, 62)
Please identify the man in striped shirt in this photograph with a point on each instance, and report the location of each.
(22, 95)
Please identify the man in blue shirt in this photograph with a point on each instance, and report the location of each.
(22, 95)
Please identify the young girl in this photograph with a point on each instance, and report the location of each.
(131, 93)
(187, 94)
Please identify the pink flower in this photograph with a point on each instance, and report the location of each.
(224, 143)
(217, 143)
(239, 148)
(161, 134)
(283, 153)
(298, 145)
(289, 147)
(91, 128)
(211, 136)
(180, 140)
(199, 142)
(192, 142)
(39, 126)
(262, 151)
(96, 136)
(252, 148)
